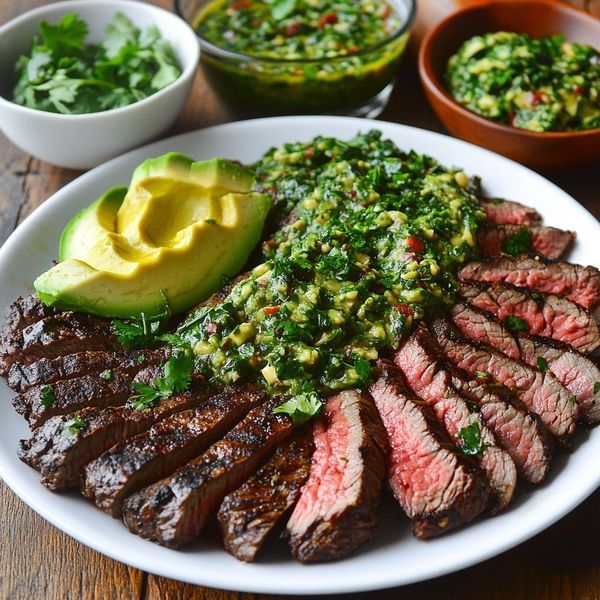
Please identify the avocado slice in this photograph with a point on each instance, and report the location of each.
(174, 235)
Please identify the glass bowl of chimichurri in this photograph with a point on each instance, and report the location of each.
(301, 56)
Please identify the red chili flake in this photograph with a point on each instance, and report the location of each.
(239, 5)
(352, 193)
(292, 29)
(387, 12)
(271, 310)
(536, 98)
(328, 19)
(578, 89)
(212, 328)
(404, 309)
(414, 243)
(309, 153)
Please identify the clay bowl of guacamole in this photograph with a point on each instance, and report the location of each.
(521, 78)
(301, 56)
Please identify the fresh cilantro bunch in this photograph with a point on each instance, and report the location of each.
(63, 74)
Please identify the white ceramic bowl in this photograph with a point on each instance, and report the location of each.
(83, 141)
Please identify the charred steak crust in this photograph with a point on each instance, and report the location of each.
(173, 511)
(547, 241)
(60, 454)
(540, 391)
(507, 212)
(144, 459)
(337, 509)
(579, 283)
(547, 315)
(251, 513)
(426, 373)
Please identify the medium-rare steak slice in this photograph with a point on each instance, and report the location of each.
(139, 461)
(579, 374)
(501, 212)
(541, 392)
(547, 315)
(484, 328)
(41, 402)
(419, 360)
(503, 239)
(45, 371)
(249, 514)
(576, 282)
(436, 486)
(337, 509)
(173, 511)
(63, 445)
(521, 434)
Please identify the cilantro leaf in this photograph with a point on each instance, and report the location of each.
(516, 324)
(518, 243)
(596, 387)
(282, 9)
(68, 34)
(137, 333)
(47, 396)
(75, 425)
(542, 364)
(471, 443)
(119, 32)
(363, 369)
(301, 407)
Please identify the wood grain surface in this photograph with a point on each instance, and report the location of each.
(39, 562)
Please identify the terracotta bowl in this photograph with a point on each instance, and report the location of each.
(533, 17)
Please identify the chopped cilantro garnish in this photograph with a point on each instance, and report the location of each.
(518, 243)
(301, 407)
(47, 397)
(137, 333)
(108, 375)
(572, 399)
(542, 364)
(471, 443)
(75, 425)
(482, 374)
(596, 387)
(516, 324)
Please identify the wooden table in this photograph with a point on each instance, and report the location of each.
(39, 561)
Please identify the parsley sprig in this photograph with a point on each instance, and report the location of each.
(176, 379)
(471, 442)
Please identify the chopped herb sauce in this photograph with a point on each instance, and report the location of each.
(516, 325)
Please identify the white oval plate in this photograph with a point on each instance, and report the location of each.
(395, 557)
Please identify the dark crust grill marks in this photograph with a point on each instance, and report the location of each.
(435, 486)
(250, 514)
(173, 511)
(337, 509)
(172, 442)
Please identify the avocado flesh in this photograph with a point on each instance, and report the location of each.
(178, 239)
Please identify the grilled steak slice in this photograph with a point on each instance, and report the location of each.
(166, 446)
(60, 334)
(337, 509)
(249, 514)
(438, 488)
(521, 434)
(23, 312)
(173, 511)
(501, 212)
(21, 377)
(540, 391)
(40, 403)
(419, 359)
(60, 453)
(546, 315)
(575, 371)
(578, 283)
(547, 241)
(484, 328)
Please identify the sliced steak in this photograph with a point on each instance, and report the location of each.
(173, 511)
(61, 453)
(547, 241)
(541, 392)
(576, 372)
(482, 327)
(576, 282)
(521, 434)
(437, 487)
(41, 402)
(547, 315)
(337, 509)
(501, 212)
(23, 312)
(419, 360)
(21, 377)
(139, 461)
(252, 512)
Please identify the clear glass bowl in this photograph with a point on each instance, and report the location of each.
(357, 85)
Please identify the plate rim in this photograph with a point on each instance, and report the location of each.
(454, 563)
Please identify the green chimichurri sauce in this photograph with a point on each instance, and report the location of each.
(543, 84)
(372, 241)
(301, 55)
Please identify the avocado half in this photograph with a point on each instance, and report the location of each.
(172, 235)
